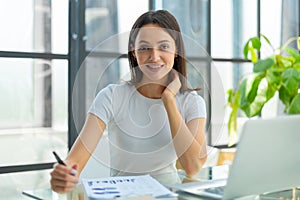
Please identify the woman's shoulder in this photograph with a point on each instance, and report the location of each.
(114, 91)
(118, 86)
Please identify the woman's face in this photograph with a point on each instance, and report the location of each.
(155, 51)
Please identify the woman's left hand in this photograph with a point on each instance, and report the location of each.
(173, 87)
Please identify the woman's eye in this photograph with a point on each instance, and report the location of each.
(164, 46)
(143, 48)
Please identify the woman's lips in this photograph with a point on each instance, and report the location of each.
(154, 67)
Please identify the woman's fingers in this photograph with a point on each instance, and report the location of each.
(62, 189)
(61, 186)
(65, 176)
(61, 179)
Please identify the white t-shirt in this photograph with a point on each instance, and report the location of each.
(139, 134)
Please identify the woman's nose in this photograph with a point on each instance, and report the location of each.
(154, 55)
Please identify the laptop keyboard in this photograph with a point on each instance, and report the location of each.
(216, 190)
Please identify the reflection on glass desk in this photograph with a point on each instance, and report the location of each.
(210, 173)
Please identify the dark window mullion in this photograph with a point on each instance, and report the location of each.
(151, 4)
(77, 54)
(33, 55)
(23, 168)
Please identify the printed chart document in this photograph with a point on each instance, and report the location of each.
(124, 187)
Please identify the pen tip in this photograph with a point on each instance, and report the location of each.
(54, 153)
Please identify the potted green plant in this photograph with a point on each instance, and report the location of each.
(279, 72)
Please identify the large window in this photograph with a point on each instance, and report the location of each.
(232, 24)
(55, 55)
(33, 83)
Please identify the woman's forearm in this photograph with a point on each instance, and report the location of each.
(86, 142)
(189, 141)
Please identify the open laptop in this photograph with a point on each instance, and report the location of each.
(267, 160)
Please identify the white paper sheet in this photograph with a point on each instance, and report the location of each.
(124, 187)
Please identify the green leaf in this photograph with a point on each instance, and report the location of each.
(270, 91)
(291, 73)
(246, 50)
(261, 98)
(243, 91)
(291, 79)
(263, 65)
(295, 105)
(284, 96)
(230, 96)
(253, 87)
(274, 77)
(256, 43)
(274, 82)
(232, 123)
(286, 62)
(297, 66)
(252, 45)
(292, 52)
(297, 60)
(253, 55)
(267, 40)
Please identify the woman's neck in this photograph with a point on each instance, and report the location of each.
(152, 89)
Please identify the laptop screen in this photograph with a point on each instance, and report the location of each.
(267, 157)
(266, 160)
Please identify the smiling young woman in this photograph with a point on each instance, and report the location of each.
(153, 120)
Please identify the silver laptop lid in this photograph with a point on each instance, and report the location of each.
(267, 157)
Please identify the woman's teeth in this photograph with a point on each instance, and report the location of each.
(154, 66)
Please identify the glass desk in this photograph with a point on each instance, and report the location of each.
(217, 172)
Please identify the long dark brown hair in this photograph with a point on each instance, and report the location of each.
(167, 21)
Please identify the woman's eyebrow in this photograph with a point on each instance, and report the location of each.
(161, 41)
(143, 41)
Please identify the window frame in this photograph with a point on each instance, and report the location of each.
(77, 53)
(46, 121)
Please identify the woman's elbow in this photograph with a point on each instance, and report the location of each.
(194, 167)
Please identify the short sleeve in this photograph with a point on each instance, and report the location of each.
(102, 104)
(195, 107)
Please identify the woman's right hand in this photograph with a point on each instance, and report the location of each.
(63, 178)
